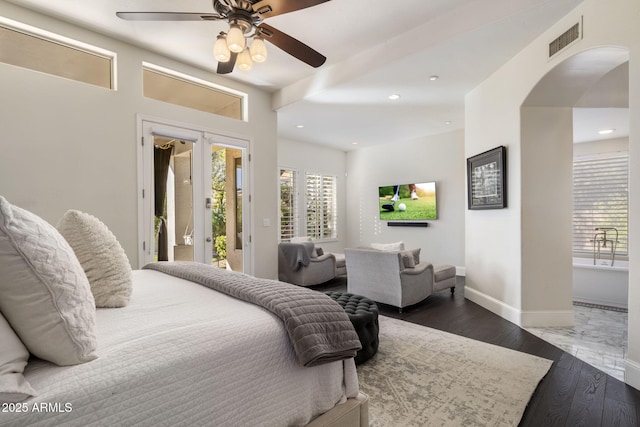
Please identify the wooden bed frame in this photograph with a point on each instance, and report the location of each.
(353, 413)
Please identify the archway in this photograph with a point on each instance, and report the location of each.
(589, 79)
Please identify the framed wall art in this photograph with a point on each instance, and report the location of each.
(487, 179)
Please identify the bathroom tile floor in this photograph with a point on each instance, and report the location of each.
(599, 337)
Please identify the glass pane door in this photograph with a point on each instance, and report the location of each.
(173, 200)
(193, 186)
(226, 207)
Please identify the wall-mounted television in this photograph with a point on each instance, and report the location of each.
(408, 202)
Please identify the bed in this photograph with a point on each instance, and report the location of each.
(180, 353)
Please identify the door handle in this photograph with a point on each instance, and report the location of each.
(208, 239)
(208, 202)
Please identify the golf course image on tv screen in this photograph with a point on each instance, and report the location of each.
(408, 202)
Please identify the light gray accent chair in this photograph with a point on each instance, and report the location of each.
(298, 263)
(383, 276)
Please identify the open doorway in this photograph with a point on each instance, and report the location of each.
(560, 121)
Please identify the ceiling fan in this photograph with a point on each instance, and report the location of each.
(245, 18)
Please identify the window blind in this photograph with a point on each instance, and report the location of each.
(288, 205)
(320, 196)
(600, 200)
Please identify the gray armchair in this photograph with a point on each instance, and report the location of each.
(299, 264)
(389, 277)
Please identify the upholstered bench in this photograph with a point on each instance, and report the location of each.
(444, 276)
(363, 314)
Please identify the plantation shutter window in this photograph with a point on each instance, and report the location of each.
(320, 196)
(600, 200)
(288, 205)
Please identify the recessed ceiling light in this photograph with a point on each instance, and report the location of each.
(606, 131)
(434, 78)
(394, 97)
(355, 143)
(448, 122)
(299, 126)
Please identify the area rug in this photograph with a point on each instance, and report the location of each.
(425, 377)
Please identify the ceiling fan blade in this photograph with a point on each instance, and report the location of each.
(269, 8)
(168, 16)
(227, 67)
(292, 46)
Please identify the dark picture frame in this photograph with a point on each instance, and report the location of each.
(487, 179)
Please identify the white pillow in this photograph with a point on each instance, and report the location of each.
(13, 359)
(397, 246)
(101, 256)
(44, 293)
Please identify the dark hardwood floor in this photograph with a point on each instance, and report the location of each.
(573, 393)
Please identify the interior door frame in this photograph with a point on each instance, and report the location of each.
(203, 139)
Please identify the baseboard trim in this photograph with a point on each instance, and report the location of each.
(632, 373)
(493, 305)
(547, 319)
(524, 319)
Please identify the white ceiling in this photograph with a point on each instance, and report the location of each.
(374, 48)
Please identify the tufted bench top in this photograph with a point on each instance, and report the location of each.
(363, 314)
(353, 304)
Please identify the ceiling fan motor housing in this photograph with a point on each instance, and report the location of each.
(243, 19)
(240, 13)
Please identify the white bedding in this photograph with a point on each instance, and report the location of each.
(183, 354)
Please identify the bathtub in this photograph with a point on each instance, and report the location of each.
(601, 283)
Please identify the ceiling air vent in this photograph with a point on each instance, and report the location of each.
(565, 39)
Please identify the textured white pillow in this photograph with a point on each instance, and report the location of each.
(397, 246)
(44, 293)
(13, 359)
(103, 259)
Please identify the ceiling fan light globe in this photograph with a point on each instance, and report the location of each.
(235, 39)
(221, 50)
(244, 60)
(258, 50)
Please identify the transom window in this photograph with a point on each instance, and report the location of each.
(180, 89)
(29, 47)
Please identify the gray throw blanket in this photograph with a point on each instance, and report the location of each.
(297, 254)
(318, 327)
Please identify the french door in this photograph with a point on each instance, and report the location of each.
(193, 196)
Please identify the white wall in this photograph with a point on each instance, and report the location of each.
(493, 118)
(313, 158)
(69, 145)
(437, 158)
(547, 188)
